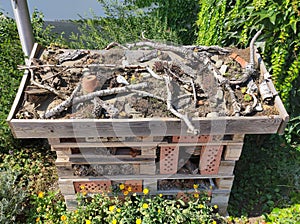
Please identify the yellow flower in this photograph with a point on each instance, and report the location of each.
(38, 219)
(63, 218)
(125, 193)
(214, 222)
(145, 206)
(84, 193)
(118, 210)
(129, 189)
(122, 186)
(146, 191)
(82, 187)
(158, 211)
(138, 221)
(195, 186)
(200, 206)
(160, 195)
(88, 221)
(114, 221)
(111, 208)
(215, 206)
(41, 194)
(196, 195)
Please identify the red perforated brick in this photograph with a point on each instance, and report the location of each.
(191, 139)
(135, 185)
(102, 186)
(168, 159)
(210, 159)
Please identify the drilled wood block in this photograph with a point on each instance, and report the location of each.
(210, 159)
(168, 159)
(103, 186)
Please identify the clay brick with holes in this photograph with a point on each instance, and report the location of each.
(210, 159)
(135, 185)
(191, 139)
(103, 186)
(168, 159)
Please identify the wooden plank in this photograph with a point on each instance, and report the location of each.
(141, 127)
(60, 146)
(278, 103)
(36, 51)
(145, 177)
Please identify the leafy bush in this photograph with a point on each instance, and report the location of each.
(131, 209)
(180, 16)
(122, 23)
(12, 196)
(284, 216)
(280, 22)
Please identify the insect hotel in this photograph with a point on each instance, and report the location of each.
(147, 115)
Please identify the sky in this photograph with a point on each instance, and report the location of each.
(57, 9)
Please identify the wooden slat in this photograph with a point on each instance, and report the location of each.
(224, 183)
(145, 177)
(232, 152)
(141, 127)
(60, 146)
(278, 103)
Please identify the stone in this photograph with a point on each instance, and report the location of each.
(215, 58)
(223, 69)
(219, 63)
(212, 114)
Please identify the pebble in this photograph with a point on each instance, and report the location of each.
(223, 69)
(259, 108)
(219, 95)
(219, 63)
(213, 114)
(215, 58)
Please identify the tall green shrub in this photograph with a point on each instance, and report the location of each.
(122, 23)
(12, 197)
(238, 21)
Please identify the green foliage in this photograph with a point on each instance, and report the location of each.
(100, 208)
(12, 196)
(122, 24)
(284, 216)
(35, 167)
(46, 208)
(209, 17)
(180, 16)
(266, 176)
(280, 22)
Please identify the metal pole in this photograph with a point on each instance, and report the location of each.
(22, 18)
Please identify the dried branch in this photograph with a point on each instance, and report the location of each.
(115, 44)
(107, 92)
(210, 49)
(250, 67)
(64, 105)
(170, 107)
(153, 74)
(146, 94)
(194, 93)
